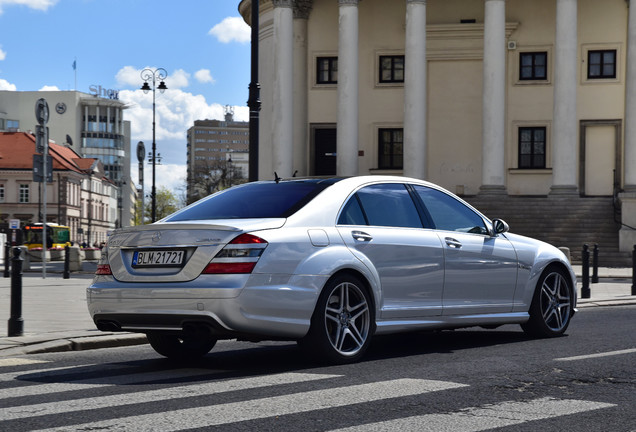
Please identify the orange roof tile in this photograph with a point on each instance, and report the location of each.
(17, 150)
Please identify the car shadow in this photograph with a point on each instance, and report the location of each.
(268, 358)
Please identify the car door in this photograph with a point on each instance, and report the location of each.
(480, 269)
(381, 225)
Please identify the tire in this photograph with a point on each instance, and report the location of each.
(552, 305)
(177, 347)
(343, 322)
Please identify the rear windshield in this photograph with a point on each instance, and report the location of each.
(254, 201)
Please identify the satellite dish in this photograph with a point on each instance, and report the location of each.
(69, 140)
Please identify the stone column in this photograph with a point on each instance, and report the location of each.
(301, 137)
(564, 124)
(415, 94)
(494, 99)
(627, 235)
(630, 102)
(347, 133)
(283, 110)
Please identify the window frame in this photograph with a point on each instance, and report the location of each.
(533, 143)
(331, 70)
(393, 58)
(533, 67)
(392, 165)
(601, 65)
(24, 192)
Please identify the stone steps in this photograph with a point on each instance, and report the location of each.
(561, 221)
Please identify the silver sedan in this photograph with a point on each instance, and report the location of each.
(328, 263)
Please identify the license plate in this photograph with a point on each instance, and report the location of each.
(158, 258)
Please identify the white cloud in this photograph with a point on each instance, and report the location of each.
(129, 76)
(49, 88)
(3, 55)
(6, 85)
(231, 29)
(42, 5)
(204, 76)
(175, 113)
(178, 79)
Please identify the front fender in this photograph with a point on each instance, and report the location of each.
(534, 257)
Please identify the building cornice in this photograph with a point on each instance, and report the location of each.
(282, 3)
(302, 8)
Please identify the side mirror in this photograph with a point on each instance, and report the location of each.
(499, 226)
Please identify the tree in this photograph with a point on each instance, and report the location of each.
(166, 204)
(211, 177)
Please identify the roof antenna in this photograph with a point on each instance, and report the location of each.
(276, 178)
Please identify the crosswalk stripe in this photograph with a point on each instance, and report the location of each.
(262, 408)
(174, 392)
(597, 355)
(483, 418)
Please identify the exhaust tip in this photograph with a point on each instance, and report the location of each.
(108, 326)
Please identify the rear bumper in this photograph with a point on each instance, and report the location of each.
(266, 307)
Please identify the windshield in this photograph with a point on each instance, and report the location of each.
(255, 201)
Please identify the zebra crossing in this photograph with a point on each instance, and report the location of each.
(48, 398)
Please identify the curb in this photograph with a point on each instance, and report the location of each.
(80, 343)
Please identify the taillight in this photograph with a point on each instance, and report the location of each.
(103, 269)
(238, 256)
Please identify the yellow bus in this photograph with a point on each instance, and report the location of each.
(58, 236)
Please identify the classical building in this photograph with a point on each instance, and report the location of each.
(92, 125)
(491, 99)
(80, 195)
(217, 151)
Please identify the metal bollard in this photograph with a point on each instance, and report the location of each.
(7, 252)
(634, 271)
(595, 264)
(585, 258)
(16, 323)
(67, 262)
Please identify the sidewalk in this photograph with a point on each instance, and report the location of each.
(56, 316)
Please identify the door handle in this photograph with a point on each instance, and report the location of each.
(451, 242)
(361, 236)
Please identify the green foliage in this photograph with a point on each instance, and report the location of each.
(167, 203)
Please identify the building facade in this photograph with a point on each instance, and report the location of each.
(217, 154)
(90, 124)
(488, 97)
(80, 196)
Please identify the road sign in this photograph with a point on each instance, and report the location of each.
(38, 168)
(14, 224)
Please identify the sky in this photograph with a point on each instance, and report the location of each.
(204, 45)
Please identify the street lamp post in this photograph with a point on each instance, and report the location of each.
(154, 75)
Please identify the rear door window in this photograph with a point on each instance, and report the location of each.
(387, 205)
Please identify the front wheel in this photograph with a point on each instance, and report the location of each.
(178, 347)
(552, 305)
(342, 323)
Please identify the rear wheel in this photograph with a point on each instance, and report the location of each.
(551, 308)
(180, 347)
(342, 323)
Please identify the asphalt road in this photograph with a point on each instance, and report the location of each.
(467, 380)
